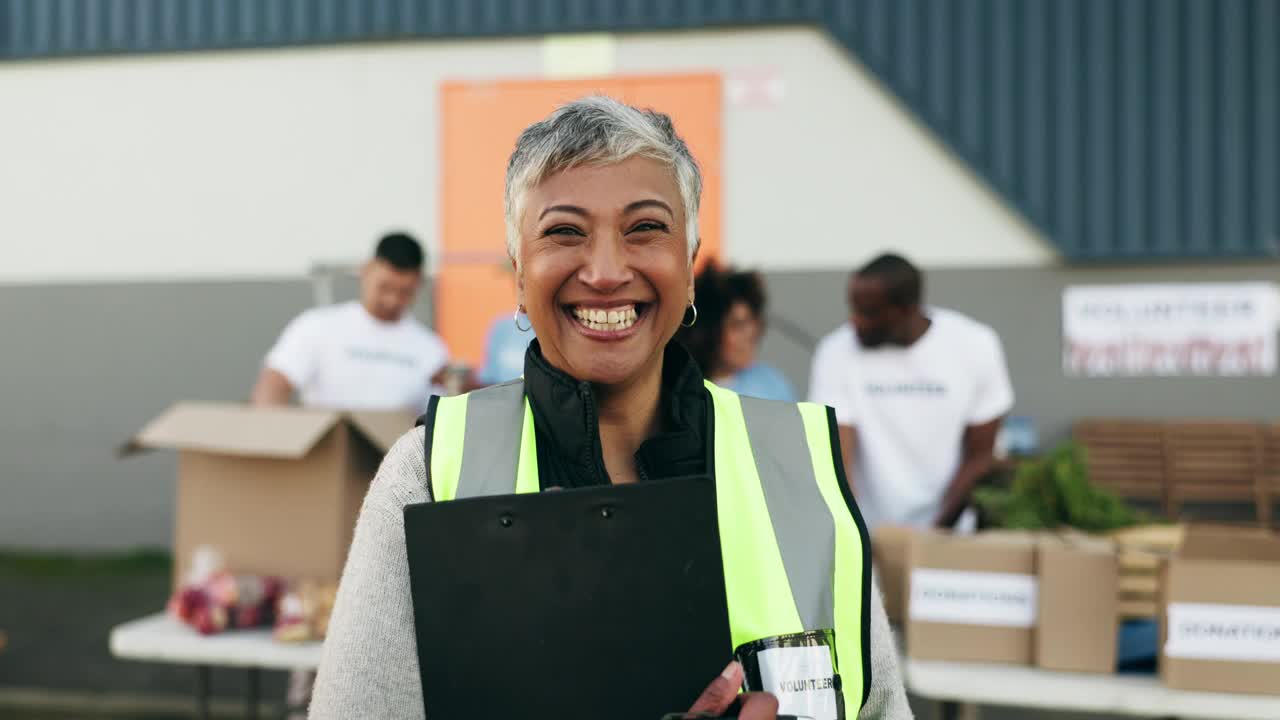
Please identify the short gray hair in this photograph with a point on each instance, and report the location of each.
(598, 130)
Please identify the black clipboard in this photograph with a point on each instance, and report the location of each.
(594, 603)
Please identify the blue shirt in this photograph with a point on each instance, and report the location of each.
(504, 352)
(761, 381)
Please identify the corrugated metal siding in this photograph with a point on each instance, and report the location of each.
(50, 28)
(1125, 129)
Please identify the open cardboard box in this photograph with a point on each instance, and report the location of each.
(275, 490)
(1221, 619)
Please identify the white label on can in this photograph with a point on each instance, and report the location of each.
(802, 679)
(973, 598)
(1208, 631)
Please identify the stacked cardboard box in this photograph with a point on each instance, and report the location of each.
(1221, 625)
(1054, 599)
(1010, 597)
(972, 598)
(1077, 618)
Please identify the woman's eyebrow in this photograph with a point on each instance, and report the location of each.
(574, 209)
(648, 203)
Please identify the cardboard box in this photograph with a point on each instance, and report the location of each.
(1078, 618)
(1221, 619)
(972, 598)
(889, 549)
(274, 490)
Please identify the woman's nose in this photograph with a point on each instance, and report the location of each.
(606, 268)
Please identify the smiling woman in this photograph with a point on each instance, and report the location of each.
(603, 268)
(601, 212)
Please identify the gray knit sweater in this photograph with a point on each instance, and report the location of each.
(370, 664)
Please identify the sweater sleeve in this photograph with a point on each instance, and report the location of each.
(888, 697)
(369, 668)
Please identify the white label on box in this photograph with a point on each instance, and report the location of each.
(1244, 633)
(973, 598)
(802, 679)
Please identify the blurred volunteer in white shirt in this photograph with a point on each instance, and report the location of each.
(919, 395)
(369, 354)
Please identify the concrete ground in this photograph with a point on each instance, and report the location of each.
(57, 613)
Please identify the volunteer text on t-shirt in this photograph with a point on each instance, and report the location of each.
(910, 406)
(342, 357)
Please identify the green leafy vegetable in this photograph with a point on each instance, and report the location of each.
(1054, 491)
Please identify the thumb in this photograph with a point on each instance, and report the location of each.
(722, 691)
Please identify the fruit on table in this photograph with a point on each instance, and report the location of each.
(214, 600)
(303, 612)
(224, 601)
(210, 620)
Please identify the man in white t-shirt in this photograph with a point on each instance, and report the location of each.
(369, 354)
(919, 395)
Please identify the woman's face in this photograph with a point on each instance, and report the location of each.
(603, 269)
(739, 339)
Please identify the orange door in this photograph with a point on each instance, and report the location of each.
(479, 127)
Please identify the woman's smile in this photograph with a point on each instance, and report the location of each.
(611, 322)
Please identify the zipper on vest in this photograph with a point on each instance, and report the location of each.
(593, 430)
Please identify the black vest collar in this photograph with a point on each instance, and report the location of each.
(568, 431)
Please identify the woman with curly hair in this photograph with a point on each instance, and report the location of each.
(725, 339)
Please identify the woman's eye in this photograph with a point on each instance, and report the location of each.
(563, 230)
(649, 226)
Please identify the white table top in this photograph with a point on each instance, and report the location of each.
(1142, 695)
(160, 638)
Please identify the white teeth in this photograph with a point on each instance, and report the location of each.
(602, 320)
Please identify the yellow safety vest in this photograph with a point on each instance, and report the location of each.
(784, 522)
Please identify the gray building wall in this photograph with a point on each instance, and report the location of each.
(1124, 130)
(85, 366)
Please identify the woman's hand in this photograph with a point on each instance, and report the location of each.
(722, 694)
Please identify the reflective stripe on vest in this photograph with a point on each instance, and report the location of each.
(783, 519)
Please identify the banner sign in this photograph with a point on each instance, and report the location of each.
(1213, 329)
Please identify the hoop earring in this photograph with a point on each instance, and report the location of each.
(694, 308)
(516, 319)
